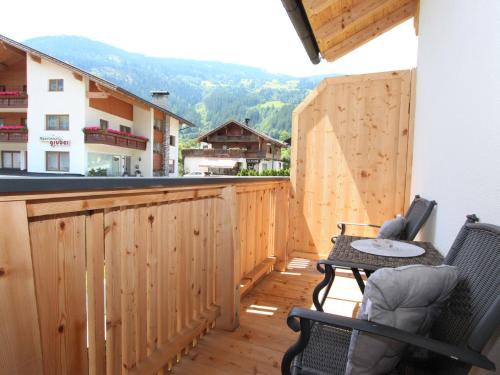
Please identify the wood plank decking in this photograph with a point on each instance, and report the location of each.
(258, 345)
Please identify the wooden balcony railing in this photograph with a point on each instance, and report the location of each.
(114, 138)
(230, 153)
(13, 134)
(115, 277)
(232, 138)
(13, 102)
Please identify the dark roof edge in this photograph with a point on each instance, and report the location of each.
(110, 85)
(298, 16)
(58, 184)
(256, 132)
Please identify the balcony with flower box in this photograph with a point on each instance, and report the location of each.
(13, 97)
(14, 133)
(111, 137)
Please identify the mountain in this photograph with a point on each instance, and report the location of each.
(208, 93)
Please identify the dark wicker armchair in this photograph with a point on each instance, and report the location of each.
(458, 336)
(416, 216)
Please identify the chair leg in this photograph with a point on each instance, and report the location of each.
(327, 281)
(359, 280)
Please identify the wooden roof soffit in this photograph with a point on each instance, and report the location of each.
(340, 26)
(122, 97)
(36, 58)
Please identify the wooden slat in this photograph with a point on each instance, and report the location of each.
(129, 289)
(58, 248)
(142, 242)
(113, 259)
(370, 32)
(19, 333)
(58, 206)
(348, 17)
(228, 260)
(154, 272)
(94, 231)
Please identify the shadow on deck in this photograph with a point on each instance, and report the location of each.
(258, 345)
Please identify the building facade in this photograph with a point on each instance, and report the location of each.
(55, 118)
(231, 147)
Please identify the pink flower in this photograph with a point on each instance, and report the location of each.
(10, 93)
(113, 131)
(13, 127)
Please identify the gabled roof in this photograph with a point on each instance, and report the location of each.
(100, 81)
(334, 28)
(256, 132)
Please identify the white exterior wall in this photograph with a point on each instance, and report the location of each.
(173, 151)
(143, 126)
(457, 138)
(41, 102)
(192, 164)
(93, 117)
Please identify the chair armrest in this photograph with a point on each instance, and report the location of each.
(460, 354)
(343, 225)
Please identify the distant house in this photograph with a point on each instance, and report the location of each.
(231, 147)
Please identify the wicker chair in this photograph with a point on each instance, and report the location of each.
(458, 335)
(416, 216)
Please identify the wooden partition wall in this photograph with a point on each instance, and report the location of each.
(351, 156)
(125, 281)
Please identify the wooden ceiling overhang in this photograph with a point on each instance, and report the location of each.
(340, 26)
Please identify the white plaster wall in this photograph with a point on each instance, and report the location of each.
(93, 117)
(143, 126)
(457, 137)
(174, 150)
(71, 101)
(192, 164)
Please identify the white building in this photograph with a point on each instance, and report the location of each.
(55, 118)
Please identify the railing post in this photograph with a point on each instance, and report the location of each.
(228, 260)
(281, 220)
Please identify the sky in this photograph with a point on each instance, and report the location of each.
(249, 32)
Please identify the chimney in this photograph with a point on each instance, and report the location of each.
(247, 122)
(160, 98)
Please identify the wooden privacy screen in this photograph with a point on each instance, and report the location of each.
(351, 156)
(123, 282)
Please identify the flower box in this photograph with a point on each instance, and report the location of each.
(94, 134)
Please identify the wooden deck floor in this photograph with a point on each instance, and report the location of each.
(258, 345)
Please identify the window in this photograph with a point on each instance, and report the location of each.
(57, 122)
(172, 140)
(57, 161)
(2, 88)
(23, 121)
(2, 122)
(56, 84)
(125, 129)
(171, 166)
(103, 124)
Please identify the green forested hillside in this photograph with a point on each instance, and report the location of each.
(207, 93)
